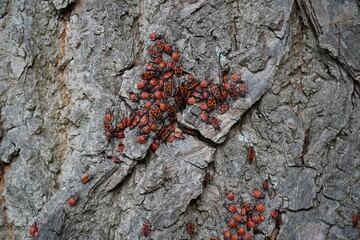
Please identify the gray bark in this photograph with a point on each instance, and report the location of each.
(63, 62)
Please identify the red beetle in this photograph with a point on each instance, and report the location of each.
(260, 207)
(243, 211)
(235, 237)
(121, 147)
(203, 106)
(227, 235)
(266, 185)
(73, 200)
(142, 139)
(178, 135)
(119, 134)
(108, 115)
(115, 159)
(238, 218)
(215, 122)
(167, 49)
(255, 218)
(248, 236)
(190, 228)
(34, 228)
(355, 220)
(248, 206)
(241, 231)
(143, 95)
(230, 195)
(142, 83)
(133, 97)
(154, 36)
(155, 145)
(251, 154)
(276, 215)
(231, 223)
(207, 178)
(250, 224)
(236, 79)
(230, 207)
(204, 117)
(258, 194)
(175, 54)
(146, 129)
(146, 229)
(86, 178)
(243, 89)
(191, 100)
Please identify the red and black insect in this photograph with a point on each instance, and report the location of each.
(194, 133)
(275, 214)
(168, 130)
(190, 228)
(227, 235)
(260, 207)
(149, 74)
(250, 155)
(204, 117)
(155, 112)
(230, 195)
(192, 82)
(266, 185)
(168, 87)
(214, 89)
(355, 220)
(34, 229)
(119, 133)
(146, 229)
(121, 147)
(211, 103)
(222, 108)
(86, 178)
(207, 178)
(175, 54)
(155, 144)
(73, 200)
(167, 49)
(153, 52)
(179, 135)
(178, 70)
(171, 110)
(115, 159)
(231, 223)
(143, 138)
(146, 129)
(215, 122)
(154, 36)
(242, 90)
(258, 194)
(236, 78)
(230, 207)
(108, 126)
(160, 45)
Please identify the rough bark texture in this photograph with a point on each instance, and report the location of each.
(64, 61)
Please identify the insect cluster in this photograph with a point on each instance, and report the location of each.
(162, 93)
(246, 217)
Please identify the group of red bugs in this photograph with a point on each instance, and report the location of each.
(161, 99)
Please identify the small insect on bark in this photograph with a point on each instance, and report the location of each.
(355, 220)
(190, 228)
(251, 155)
(146, 229)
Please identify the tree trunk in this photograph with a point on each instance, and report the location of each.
(63, 62)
